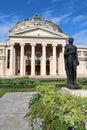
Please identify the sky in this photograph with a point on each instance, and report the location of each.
(70, 15)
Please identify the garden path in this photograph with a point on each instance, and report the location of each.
(13, 108)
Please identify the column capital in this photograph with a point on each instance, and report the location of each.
(33, 44)
(44, 44)
(22, 44)
(12, 43)
(63, 46)
(54, 44)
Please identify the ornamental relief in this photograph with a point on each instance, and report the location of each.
(21, 28)
(82, 59)
(79, 53)
(1, 51)
(34, 22)
(85, 53)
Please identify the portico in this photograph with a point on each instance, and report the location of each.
(35, 59)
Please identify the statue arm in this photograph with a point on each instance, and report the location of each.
(77, 61)
(65, 52)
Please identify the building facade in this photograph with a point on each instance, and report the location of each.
(36, 47)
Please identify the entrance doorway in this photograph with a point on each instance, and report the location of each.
(37, 67)
(47, 67)
(28, 67)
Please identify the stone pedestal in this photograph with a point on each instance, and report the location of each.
(76, 92)
(74, 86)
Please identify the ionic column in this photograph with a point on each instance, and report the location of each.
(54, 59)
(61, 62)
(12, 59)
(43, 71)
(22, 59)
(33, 59)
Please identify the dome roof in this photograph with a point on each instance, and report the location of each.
(33, 22)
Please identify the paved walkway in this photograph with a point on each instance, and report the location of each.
(13, 107)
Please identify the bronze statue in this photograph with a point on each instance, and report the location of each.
(71, 62)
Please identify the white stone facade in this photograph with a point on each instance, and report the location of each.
(36, 47)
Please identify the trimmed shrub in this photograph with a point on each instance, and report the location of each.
(19, 82)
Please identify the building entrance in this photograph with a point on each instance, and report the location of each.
(47, 67)
(37, 67)
(28, 67)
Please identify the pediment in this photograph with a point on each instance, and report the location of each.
(39, 32)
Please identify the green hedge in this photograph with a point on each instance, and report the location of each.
(19, 82)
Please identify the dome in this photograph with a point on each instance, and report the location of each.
(34, 22)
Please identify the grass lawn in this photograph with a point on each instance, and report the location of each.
(24, 84)
(5, 90)
(27, 84)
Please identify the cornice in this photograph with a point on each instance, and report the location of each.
(82, 58)
(2, 44)
(81, 47)
(36, 28)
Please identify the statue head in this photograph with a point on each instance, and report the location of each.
(70, 40)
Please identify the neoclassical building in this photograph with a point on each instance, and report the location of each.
(36, 47)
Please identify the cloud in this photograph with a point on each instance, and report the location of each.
(29, 1)
(6, 22)
(78, 18)
(3, 17)
(57, 0)
(47, 14)
(55, 19)
(83, 24)
(81, 37)
(65, 1)
(60, 18)
(71, 5)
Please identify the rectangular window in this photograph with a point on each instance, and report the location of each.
(8, 59)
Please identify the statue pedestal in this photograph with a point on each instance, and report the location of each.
(74, 86)
(76, 92)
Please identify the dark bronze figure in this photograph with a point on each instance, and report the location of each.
(71, 62)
